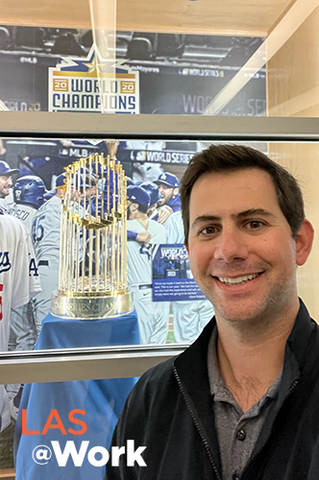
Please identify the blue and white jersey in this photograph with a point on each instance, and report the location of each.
(6, 204)
(139, 256)
(19, 281)
(174, 228)
(25, 213)
(46, 230)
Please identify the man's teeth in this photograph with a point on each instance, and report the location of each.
(237, 280)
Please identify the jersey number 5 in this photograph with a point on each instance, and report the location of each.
(1, 290)
(37, 229)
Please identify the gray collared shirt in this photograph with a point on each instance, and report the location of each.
(237, 431)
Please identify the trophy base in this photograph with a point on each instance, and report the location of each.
(91, 308)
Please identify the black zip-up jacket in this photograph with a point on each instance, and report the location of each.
(170, 412)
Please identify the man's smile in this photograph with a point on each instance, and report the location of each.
(240, 280)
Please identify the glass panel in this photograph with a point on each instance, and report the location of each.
(168, 306)
(158, 271)
(143, 161)
(193, 58)
(62, 426)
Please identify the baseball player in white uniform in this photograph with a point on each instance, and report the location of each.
(19, 280)
(28, 193)
(46, 241)
(189, 317)
(153, 316)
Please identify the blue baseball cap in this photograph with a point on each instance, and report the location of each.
(60, 180)
(168, 179)
(153, 191)
(138, 195)
(6, 170)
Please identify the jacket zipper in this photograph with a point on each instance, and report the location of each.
(193, 415)
(291, 388)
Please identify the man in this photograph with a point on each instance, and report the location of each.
(152, 190)
(19, 280)
(5, 185)
(168, 187)
(46, 241)
(152, 316)
(28, 193)
(242, 401)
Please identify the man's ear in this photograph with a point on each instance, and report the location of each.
(304, 242)
(175, 192)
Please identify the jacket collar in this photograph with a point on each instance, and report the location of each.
(192, 363)
(192, 370)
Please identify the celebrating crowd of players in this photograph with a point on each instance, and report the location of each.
(154, 217)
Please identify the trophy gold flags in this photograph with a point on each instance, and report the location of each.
(93, 265)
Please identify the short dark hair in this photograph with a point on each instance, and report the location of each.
(230, 158)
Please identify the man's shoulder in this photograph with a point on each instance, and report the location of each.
(159, 372)
(154, 384)
(12, 222)
(155, 226)
(54, 203)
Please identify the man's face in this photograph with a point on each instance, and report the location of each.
(167, 193)
(132, 208)
(241, 249)
(5, 185)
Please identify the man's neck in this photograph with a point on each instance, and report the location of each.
(249, 366)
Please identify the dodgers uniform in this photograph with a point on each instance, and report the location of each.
(189, 317)
(19, 280)
(23, 333)
(153, 316)
(46, 241)
(22, 330)
(25, 213)
(6, 204)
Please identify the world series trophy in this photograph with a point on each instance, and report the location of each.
(93, 264)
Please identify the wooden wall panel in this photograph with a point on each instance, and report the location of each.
(230, 17)
(293, 90)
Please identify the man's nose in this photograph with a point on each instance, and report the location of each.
(231, 245)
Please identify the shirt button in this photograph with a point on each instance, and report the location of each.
(241, 435)
(235, 476)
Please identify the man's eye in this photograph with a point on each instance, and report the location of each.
(208, 230)
(253, 224)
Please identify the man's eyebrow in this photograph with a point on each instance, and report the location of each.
(205, 218)
(254, 211)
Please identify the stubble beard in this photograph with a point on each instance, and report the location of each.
(254, 317)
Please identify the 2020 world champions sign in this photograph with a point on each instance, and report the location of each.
(93, 85)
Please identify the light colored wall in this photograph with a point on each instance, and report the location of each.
(293, 90)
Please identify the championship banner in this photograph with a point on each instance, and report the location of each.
(93, 84)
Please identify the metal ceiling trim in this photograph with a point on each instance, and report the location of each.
(165, 127)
